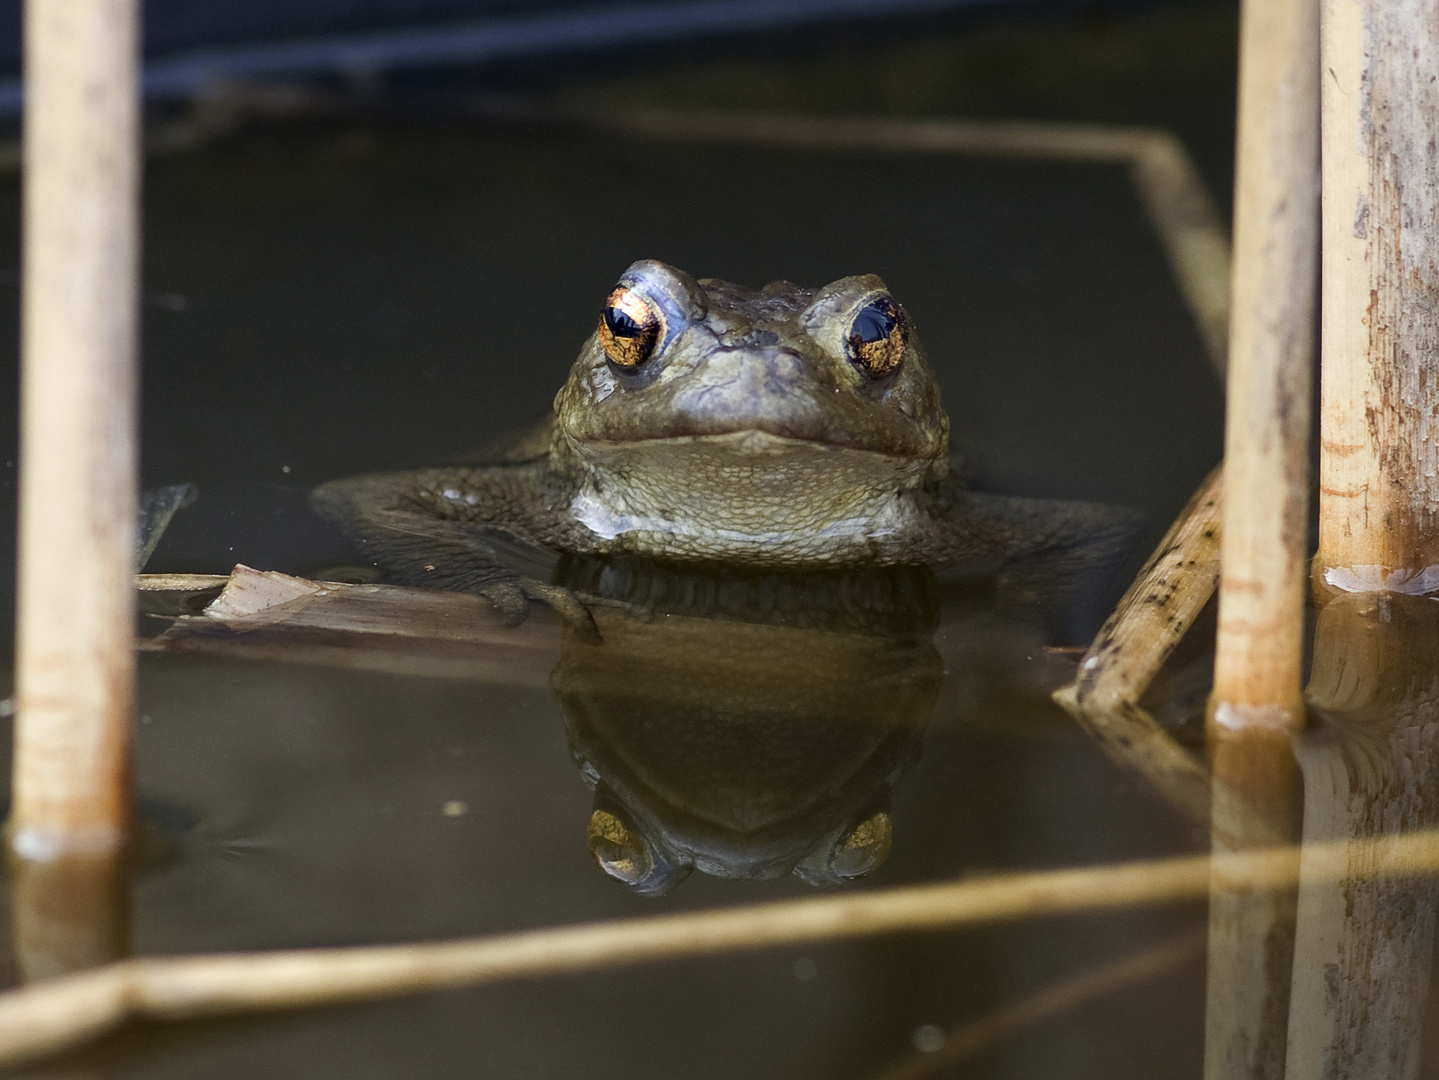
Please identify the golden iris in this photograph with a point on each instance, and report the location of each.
(629, 328)
(878, 337)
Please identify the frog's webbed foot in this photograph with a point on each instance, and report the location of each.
(394, 521)
(512, 595)
(564, 603)
(1044, 555)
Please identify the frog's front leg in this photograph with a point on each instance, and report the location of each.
(1045, 556)
(460, 530)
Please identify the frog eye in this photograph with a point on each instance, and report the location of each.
(864, 849)
(877, 337)
(629, 328)
(620, 851)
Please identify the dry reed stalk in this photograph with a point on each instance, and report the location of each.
(74, 654)
(65, 1012)
(1379, 463)
(1257, 702)
(1147, 626)
(975, 1036)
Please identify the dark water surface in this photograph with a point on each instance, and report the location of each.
(329, 301)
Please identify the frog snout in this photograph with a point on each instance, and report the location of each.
(749, 386)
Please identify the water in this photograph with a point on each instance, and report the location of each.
(328, 300)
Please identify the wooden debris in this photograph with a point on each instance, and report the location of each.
(264, 615)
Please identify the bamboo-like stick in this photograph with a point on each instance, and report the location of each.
(74, 653)
(1266, 453)
(972, 1037)
(1257, 704)
(65, 1012)
(1379, 462)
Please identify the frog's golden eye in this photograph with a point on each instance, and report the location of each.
(621, 852)
(629, 328)
(877, 337)
(864, 849)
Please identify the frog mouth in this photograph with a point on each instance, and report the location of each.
(758, 440)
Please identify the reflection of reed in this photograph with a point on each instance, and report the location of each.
(64, 1012)
(68, 913)
(1362, 960)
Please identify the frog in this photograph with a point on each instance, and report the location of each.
(784, 428)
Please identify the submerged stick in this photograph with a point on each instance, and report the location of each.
(74, 661)
(1189, 226)
(62, 1013)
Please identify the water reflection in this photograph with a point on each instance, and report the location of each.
(1364, 943)
(746, 724)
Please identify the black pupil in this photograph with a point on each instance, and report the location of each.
(621, 325)
(874, 323)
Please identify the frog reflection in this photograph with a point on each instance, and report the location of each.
(743, 723)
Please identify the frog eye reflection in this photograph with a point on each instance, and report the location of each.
(629, 328)
(621, 852)
(864, 849)
(877, 337)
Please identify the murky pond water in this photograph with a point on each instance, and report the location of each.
(334, 300)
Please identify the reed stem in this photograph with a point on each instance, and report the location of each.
(1379, 463)
(75, 631)
(1257, 702)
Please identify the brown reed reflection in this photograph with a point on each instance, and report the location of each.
(68, 913)
(1364, 941)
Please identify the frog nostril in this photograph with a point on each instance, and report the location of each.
(753, 339)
